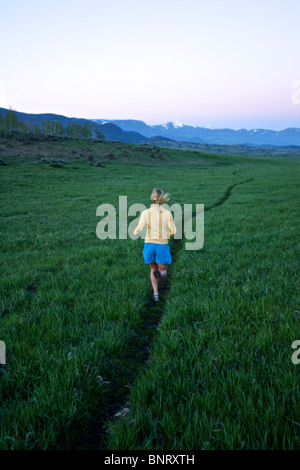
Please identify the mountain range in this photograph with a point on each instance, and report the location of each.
(179, 132)
(135, 131)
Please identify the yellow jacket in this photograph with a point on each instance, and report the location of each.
(158, 221)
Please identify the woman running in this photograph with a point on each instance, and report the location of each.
(156, 250)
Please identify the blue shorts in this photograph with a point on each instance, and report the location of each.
(157, 253)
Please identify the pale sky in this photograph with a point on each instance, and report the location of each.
(222, 63)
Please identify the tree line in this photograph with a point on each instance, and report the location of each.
(11, 126)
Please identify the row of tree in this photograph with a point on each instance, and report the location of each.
(10, 125)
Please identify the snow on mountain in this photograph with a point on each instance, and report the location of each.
(176, 124)
(101, 121)
(178, 131)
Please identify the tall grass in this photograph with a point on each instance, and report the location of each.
(219, 373)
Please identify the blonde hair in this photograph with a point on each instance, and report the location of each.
(159, 197)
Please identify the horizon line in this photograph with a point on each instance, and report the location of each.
(208, 127)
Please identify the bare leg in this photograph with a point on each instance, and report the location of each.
(153, 267)
(163, 269)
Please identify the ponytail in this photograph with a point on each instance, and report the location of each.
(159, 197)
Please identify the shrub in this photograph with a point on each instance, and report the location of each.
(57, 165)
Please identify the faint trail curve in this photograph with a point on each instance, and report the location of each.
(139, 348)
(226, 195)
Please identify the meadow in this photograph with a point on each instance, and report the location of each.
(91, 361)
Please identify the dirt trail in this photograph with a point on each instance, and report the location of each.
(139, 349)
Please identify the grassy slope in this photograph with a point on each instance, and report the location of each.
(220, 373)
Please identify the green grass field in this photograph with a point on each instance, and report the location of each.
(92, 363)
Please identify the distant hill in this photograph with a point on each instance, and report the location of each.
(136, 132)
(110, 130)
(38, 119)
(180, 132)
